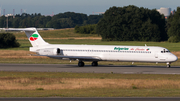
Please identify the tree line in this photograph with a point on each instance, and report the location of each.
(61, 20)
(173, 26)
(131, 23)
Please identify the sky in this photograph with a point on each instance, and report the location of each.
(47, 7)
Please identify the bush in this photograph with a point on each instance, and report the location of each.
(8, 40)
(174, 39)
(39, 88)
(87, 29)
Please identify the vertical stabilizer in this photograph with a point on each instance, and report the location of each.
(33, 36)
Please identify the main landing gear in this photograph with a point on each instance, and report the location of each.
(94, 63)
(81, 63)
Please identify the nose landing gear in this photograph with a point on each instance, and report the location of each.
(168, 65)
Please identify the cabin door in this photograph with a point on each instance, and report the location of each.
(156, 54)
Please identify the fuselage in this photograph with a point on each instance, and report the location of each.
(114, 53)
(96, 53)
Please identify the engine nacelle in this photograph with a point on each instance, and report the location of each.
(49, 51)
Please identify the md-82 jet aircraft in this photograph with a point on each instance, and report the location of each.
(97, 53)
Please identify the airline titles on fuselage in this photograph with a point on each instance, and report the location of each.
(132, 49)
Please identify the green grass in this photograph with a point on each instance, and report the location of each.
(62, 33)
(25, 44)
(88, 75)
(93, 92)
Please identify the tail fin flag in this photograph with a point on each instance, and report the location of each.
(33, 36)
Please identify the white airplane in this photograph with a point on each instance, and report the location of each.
(97, 53)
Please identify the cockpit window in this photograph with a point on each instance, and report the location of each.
(165, 51)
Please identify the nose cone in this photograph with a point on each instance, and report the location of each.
(173, 58)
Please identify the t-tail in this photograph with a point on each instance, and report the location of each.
(34, 37)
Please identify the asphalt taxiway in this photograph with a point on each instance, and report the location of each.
(89, 69)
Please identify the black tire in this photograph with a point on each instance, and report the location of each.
(81, 64)
(168, 66)
(94, 63)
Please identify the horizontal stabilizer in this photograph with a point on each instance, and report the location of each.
(22, 29)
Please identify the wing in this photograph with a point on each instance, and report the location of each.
(86, 58)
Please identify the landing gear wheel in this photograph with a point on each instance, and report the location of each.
(168, 66)
(81, 64)
(94, 63)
